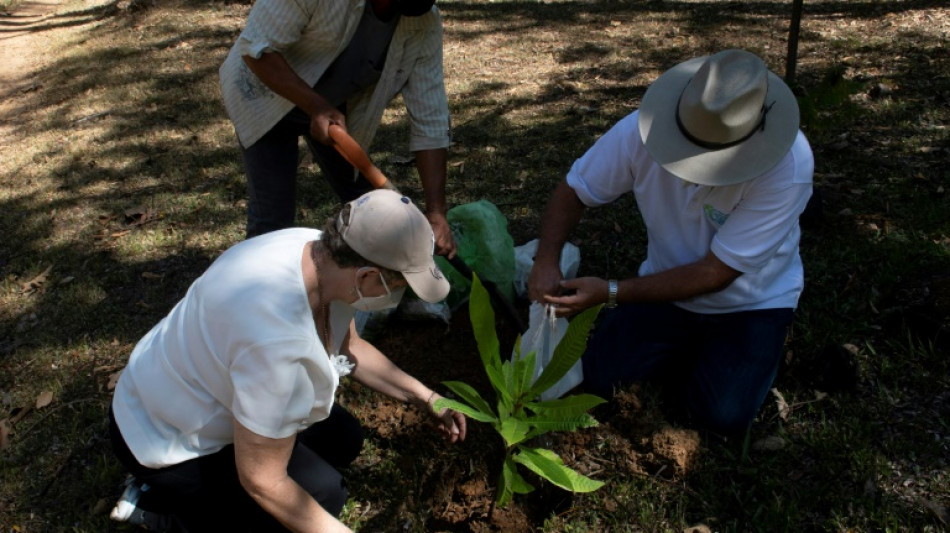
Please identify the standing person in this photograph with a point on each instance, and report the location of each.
(226, 415)
(720, 173)
(298, 67)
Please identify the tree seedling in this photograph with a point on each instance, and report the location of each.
(519, 415)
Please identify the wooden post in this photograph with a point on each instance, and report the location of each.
(794, 29)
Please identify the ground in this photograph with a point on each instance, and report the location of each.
(21, 57)
(120, 182)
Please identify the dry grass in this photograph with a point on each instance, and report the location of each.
(120, 181)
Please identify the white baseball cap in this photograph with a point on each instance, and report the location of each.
(386, 228)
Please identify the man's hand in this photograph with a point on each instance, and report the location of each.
(544, 280)
(444, 242)
(579, 294)
(321, 120)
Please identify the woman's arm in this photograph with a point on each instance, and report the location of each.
(377, 372)
(262, 469)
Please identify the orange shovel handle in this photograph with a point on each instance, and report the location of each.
(354, 155)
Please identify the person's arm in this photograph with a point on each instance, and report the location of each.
(274, 71)
(562, 214)
(377, 372)
(705, 276)
(431, 167)
(427, 106)
(262, 470)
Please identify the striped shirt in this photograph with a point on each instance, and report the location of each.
(310, 34)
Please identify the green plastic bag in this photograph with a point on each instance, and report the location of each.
(481, 234)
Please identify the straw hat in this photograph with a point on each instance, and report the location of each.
(719, 120)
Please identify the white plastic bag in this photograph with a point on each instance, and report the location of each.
(524, 260)
(545, 331)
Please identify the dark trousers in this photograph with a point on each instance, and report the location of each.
(719, 367)
(271, 167)
(205, 495)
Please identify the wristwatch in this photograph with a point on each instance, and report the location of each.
(611, 294)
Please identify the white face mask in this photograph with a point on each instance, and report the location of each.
(377, 303)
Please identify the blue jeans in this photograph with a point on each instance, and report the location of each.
(720, 367)
(271, 166)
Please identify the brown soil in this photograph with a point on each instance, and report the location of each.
(633, 439)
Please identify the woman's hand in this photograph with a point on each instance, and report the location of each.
(451, 424)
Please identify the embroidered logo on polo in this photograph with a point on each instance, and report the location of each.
(718, 217)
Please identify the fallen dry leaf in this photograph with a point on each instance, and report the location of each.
(45, 398)
(37, 282)
(769, 444)
(783, 408)
(100, 507)
(135, 212)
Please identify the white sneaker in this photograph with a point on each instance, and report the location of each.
(127, 502)
(128, 510)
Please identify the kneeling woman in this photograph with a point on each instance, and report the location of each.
(226, 413)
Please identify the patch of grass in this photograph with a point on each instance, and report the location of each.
(124, 180)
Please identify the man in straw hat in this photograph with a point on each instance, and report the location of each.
(720, 173)
(226, 413)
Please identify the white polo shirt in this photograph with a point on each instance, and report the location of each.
(241, 345)
(751, 226)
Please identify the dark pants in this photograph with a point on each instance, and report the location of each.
(720, 367)
(206, 495)
(271, 166)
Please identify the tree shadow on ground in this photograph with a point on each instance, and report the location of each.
(877, 147)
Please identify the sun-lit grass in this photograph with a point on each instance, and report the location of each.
(120, 175)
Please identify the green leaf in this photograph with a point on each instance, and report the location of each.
(518, 346)
(465, 409)
(568, 351)
(523, 374)
(508, 371)
(469, 396)
(504, 490)
(497, 381)
(510, 482)
(568, 406)
(483, 324)
(545, 423)
(548, 465)
(513, 430)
